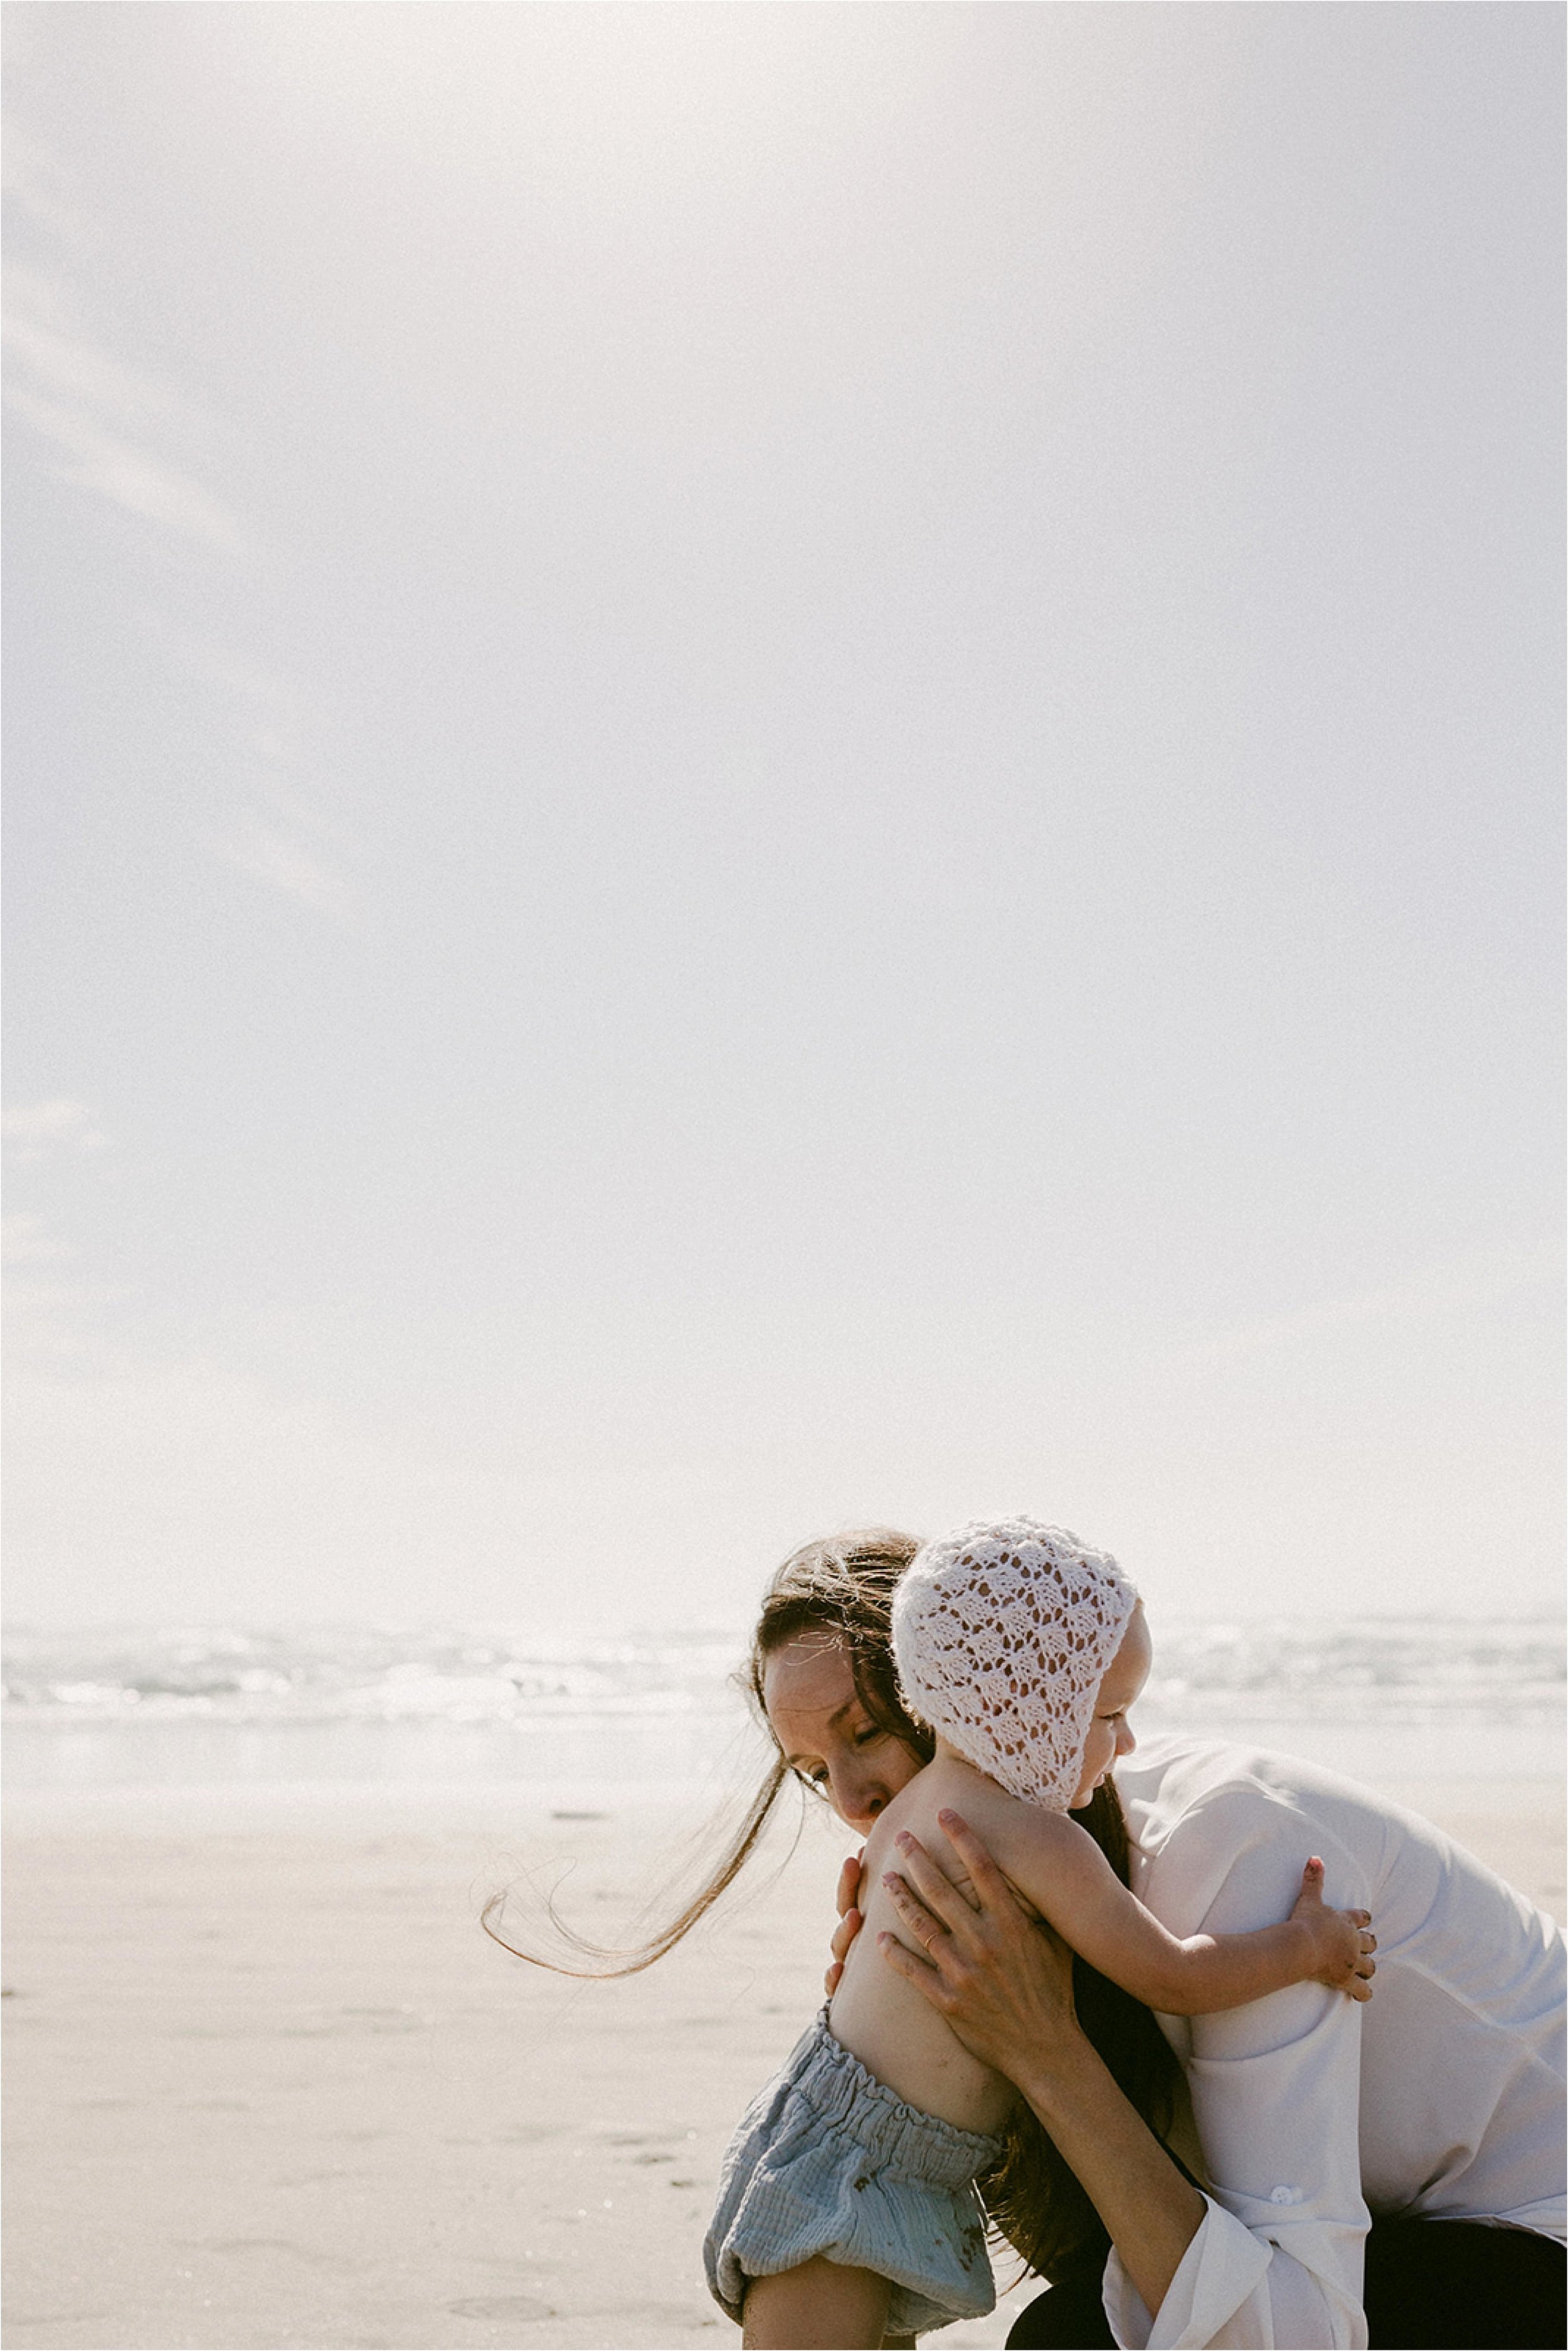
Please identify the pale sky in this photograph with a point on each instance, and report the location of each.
(772, 766)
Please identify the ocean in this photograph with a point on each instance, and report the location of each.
(643, 1717)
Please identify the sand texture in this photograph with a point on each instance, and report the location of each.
(270, 2084)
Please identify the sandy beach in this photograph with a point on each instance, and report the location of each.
(270, 2085)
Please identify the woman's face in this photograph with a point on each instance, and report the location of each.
(1109, 1734)
(825, 1733)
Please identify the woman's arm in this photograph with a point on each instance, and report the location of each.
(1276, 2255)
(1005, 1988)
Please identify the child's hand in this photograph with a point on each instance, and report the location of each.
(850, 1920)
(1342, 1943)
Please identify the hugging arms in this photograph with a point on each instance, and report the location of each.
(1004, 1982)
(1022, 1650)
(1390, 2173)
(1437, 2109)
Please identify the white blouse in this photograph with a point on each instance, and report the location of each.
(1442, 2095)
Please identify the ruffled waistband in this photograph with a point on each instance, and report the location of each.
(843, 2094)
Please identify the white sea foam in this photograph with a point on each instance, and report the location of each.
(461, 1703)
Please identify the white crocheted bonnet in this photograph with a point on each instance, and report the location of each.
(1002, 1634)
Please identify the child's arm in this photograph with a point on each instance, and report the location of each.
(1072, 1884)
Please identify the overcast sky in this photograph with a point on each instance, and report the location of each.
(779, 764)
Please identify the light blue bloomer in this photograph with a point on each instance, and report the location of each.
(827, 2161)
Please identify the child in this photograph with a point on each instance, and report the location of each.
(1023, 1649)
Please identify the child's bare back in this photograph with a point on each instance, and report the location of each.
(880, 2017)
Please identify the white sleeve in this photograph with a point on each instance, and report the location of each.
(1275, 2090)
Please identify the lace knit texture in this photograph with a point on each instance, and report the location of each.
(1002, 1634)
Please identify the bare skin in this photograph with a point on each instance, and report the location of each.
(823, 1731)
(1005, 1987)
(818, 2307)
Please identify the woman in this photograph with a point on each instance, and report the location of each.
(827, 1613)
(1458, 2103)
(1439, 2106)
(858, 2163)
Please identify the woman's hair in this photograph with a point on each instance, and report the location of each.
(1031, 2193)
(843, 1587)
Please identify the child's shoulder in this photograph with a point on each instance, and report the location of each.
(1016, 1834)
(1010, 1826)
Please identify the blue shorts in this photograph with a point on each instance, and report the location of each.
(827, 2162)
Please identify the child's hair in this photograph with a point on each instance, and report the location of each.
(844, 1586)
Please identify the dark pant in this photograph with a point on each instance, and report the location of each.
(1431, 2285)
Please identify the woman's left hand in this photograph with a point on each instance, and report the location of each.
(1003, 1981)
(850, 1920)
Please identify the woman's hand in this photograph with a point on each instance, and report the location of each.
(1003, 1981)
(850, 1920)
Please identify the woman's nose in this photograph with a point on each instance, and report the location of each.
(1125, 1742)
(858, 1797)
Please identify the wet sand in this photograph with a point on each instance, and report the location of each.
(268, 2085)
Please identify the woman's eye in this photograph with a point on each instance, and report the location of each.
(873, 1731)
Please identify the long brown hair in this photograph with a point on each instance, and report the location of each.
(844, 1586)
(1031, 2193)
